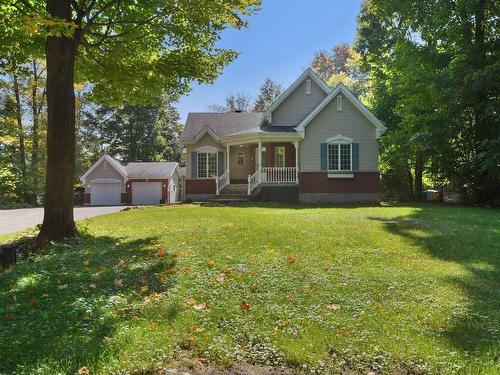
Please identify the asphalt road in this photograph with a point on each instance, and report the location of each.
(16, 220)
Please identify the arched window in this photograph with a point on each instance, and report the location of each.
(240, 161)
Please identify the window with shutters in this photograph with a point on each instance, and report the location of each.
(339, 156)
(207, 164)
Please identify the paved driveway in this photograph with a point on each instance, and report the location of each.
(15, 220)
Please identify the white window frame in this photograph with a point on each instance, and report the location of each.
(284, 156)
(206, 160)
(339, 139)
(339, 103)
(308, 87)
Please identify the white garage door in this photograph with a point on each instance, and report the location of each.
(146, 192)
(105, 194)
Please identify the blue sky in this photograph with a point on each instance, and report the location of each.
(279, 43)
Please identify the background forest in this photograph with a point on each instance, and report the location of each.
(428, 70)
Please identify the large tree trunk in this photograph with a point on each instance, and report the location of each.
(60, 54)
(419, 170)
(20, 130)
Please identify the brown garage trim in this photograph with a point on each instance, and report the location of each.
(128, 189)
(202, 186)
(318, 182)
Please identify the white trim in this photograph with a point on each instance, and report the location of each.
(105, 181)
(339, 103)
(198, 164)
(340, 175)
(308, 86)
(110, 161)
(339, 161)
(339, 138)
(379, 127)
(202, 132)
(207, 149)
(307, 73)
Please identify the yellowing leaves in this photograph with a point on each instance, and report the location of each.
(83, 371)
(144, 289)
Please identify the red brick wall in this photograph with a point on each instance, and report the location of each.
(318, 182)
(205, 186)
(270, 153)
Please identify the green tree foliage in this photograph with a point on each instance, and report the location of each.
(434, 71)
(234, 102)
(131, 132)
(131, 51)
(341, 66)
(268, 93)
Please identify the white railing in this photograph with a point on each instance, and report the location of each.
(272, 175)
(253, 181)
(222, 181)
(277, 175)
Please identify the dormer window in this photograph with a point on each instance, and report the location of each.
(339, 103)
(308, 87)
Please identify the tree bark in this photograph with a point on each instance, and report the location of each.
(20, 130)
(60, 52)
(419, 170)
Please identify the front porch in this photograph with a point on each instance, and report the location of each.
(257, 164)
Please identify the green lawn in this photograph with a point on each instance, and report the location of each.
(413, 289)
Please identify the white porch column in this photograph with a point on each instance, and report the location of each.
(296, 144)
(260, 154)
(227, 159)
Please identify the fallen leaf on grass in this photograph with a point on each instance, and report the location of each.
(144, 289)
(154, 325)
(93, 286)
(62, 286)
(244, 306)
(83, 371)
(118, 282)
(161, 252)
(191, 301)
(201, 306)
(290, 259)
(211, 263)
(333, 307)
(169, 271)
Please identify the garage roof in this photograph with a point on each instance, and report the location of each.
(142, 170)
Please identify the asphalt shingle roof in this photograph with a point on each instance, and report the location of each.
(150, 170)
(222, 124)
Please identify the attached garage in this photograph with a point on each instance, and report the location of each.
(105, 193)
(146, 192)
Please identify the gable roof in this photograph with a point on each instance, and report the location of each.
(153, 170)
(137, 170)
(111, 161)
(218, 125)
(341, 89)
(308, 73)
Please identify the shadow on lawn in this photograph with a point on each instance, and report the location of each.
(470, 237)
(59, 309)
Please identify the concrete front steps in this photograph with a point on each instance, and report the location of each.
(233, 193)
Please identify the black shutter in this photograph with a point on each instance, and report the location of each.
(194, 165)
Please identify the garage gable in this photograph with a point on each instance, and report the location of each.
(105, 168)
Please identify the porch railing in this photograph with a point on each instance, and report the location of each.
(277, 175)
(253, 181)
(272, 175)
(221, 182)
